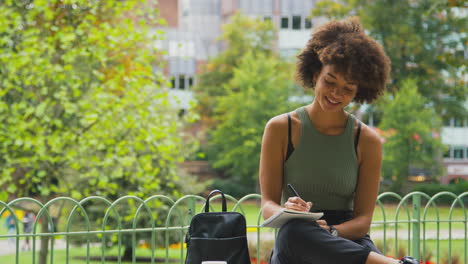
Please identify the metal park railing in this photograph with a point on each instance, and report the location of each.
(132, 230)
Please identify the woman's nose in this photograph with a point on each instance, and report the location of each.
(337, 91)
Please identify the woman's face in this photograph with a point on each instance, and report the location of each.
(332, 91)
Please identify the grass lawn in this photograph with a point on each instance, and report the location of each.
(431, 216)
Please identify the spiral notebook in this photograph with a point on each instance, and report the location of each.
(279, 219)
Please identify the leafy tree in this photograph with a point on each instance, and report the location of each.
(82, 112)
(425, 41)
(241, 35)
(259, 90)
(412, 130)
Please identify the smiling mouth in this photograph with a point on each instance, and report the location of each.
(331, 101)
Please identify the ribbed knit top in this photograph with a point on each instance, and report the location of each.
(323, 169)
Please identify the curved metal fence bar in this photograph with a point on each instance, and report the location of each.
(34, 227)
(381, 207)
(27, 199)
(52, 227)
(438, 221)
(119, 226)
(183, 226)
(243, 199)
(70, 217)
(172, 225)
(415, 220)
(135, 217)
(450, 220)
(153, 232)
(465, 226)
(239, 205)
(429, 203)
(450, 223)
(12, 213)
(142, 205)
(67, 227)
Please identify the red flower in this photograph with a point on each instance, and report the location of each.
(417, 137)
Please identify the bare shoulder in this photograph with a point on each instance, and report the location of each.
(277, 122)
(369, 140)
(277, 126)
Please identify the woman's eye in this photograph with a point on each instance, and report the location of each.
(328, 82)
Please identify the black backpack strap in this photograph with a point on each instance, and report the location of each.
(356, 140)
(212, 193)
(290, 144)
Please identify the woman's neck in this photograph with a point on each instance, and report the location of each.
(326, 120)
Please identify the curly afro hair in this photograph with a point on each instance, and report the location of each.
(357, 56)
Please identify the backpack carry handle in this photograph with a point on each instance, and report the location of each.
(207, 205)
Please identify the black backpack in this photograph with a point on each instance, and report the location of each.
(217, 236)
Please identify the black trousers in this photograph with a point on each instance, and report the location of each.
(301, 242)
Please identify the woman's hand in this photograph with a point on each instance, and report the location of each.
(296, 203)
(323, 224)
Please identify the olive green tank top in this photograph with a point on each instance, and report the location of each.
(323, 169)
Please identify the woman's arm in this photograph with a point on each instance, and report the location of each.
(271, 165)
(367, 189)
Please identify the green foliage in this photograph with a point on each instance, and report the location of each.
(231, 186)
(82, 112)
(410, 123)
(262, 89)
(80, 109)
(241, 35)
(333, 9)
(425, 41)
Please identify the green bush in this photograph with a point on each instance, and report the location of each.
(433, 188)
(232, 187)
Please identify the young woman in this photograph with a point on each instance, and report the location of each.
(330, 157)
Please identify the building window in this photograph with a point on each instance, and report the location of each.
(447, 153)
(296, 22)
(457, 122)
(182, 113)
(458, 152)
(173, 82)
(447, 122)
(182, 82)
(308, 23)
(285, 22)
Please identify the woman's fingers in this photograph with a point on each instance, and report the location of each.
(296, 203)
(295, 206)
(323, 224)
(298, 200)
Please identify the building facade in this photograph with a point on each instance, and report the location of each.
(455, 137)
(193, 27)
